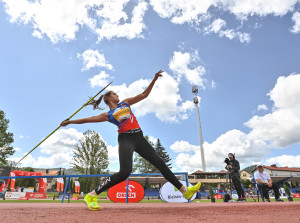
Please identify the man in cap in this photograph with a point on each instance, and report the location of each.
(233, 166)
(265, 183)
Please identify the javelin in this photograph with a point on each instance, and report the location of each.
(67, 119)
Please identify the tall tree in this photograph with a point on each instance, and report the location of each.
(162, 153)
(6, 139)
(90, 157)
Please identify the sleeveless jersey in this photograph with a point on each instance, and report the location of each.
(123, 117)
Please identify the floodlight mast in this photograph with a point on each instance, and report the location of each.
(196, 102)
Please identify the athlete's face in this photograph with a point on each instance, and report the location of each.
(113, 97)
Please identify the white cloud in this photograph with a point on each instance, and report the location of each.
(23, 137)
(183, 146)
(280, 127)
(17, 149)
(196, 13)
(181, 64)
(191, 11)
(113, 28)
(100, 80)
(231, 34)
(258, 7)
(62, 141)
(234, 141)
(60, 20)
(92, 58)
(55, 160)
(296, 20)
(284, 160)
(262, 107)
(217, 27)
(57, 19)
(182, 11)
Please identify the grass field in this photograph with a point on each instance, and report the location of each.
(109, 201)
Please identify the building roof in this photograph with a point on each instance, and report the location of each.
(274, 167)
(50, 173)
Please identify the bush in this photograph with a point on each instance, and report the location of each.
(211, 192)
(287, 190)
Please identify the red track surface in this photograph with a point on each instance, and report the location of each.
(152, 212)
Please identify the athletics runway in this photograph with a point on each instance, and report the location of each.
(153, 212)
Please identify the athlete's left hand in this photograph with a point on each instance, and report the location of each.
(158, 74)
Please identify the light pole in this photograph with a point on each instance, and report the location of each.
(196, 102)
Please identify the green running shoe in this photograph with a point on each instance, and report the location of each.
(191, 191)
(92, 202)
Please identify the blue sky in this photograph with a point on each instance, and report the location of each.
(243, 56)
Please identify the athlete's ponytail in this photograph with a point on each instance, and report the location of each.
(96, 103)
(105, 97)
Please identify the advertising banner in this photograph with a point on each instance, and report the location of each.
(117, 193)
(36, 195)
(218, 196)
(14, 194)
(296, 195)
(169, 193)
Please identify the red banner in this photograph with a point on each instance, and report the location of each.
(117, 193)
(30, 195)
(218, 196)
(296, 195)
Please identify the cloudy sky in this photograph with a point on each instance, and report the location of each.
(243, 56)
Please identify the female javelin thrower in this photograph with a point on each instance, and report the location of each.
(130, 140)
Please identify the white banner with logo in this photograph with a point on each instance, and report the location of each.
(15, 194)
(169, 193)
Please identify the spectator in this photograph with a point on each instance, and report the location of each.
(265, 183)
(282, 191)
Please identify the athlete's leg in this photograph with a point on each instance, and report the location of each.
(148, 153)
(126, 148)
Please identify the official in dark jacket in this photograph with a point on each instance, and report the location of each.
(233, 167)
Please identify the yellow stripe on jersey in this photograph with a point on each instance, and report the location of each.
(119, 115)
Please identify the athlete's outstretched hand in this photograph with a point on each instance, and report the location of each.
(65, 122)
(158, 74)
